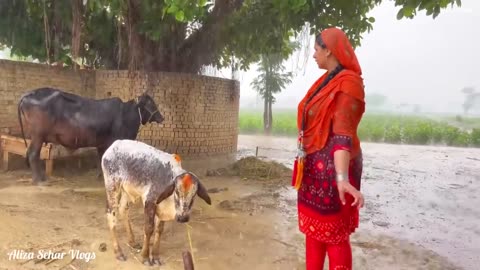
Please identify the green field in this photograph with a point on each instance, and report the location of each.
(451, 131)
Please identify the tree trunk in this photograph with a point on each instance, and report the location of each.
(77, 14)
(270, 117)
(57, 31)
(134, 39)
(174, 52)
(265, 116)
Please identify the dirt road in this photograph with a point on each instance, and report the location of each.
(252, 223)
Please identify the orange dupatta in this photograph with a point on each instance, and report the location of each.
(320, 108)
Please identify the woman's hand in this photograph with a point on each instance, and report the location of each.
(346, 187)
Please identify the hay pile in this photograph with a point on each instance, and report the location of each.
(254, 168)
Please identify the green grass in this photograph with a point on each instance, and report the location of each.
(382, 128)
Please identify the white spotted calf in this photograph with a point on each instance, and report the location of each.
(134, 170)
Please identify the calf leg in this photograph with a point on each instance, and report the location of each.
(112, 211)
(149, 212)
(33, 156)
(124, 213)
(159, 224)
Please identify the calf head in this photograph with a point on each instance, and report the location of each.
(184, 188)
(149, 109)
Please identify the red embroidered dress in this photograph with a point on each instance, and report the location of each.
(327, 119)
(321, 215)
(332, 116)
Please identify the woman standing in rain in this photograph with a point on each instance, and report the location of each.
(328, 166)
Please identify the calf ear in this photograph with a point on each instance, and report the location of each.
(202, 193)
(201, 190)
(166, 193)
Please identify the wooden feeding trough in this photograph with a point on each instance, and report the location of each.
(49, 152)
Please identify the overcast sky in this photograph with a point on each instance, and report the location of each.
(419, 61)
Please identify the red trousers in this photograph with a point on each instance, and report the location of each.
(339, 256)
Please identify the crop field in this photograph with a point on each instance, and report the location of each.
(388, 128)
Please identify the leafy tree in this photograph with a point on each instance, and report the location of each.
(179, 35)
(272, 79)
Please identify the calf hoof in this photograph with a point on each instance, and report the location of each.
(147, 262)
(157, 261)
(121, 257)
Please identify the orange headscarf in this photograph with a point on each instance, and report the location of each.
(348, 81)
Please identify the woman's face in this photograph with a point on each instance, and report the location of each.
(321, 55)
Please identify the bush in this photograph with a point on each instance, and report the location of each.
(462, 139)
(450, 134)
(437, 134)
(418, 132)
(393, 134)
(475, 137)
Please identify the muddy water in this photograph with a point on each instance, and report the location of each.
(252, 223)
(426, 195)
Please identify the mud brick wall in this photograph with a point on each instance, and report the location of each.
(201, 113)
(16, 78)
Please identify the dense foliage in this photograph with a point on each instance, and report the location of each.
(179, 35)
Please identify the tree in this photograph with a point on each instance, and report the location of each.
(272, 79)
(178, 35)
(472, 99)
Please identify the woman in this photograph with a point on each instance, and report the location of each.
(328, 167)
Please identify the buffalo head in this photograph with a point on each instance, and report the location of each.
(149, 109)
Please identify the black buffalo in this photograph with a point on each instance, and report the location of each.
(74, 122)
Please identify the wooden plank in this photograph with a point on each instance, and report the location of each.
(17, 146)
(13, 138)
(49, 167)
(48, 152)
(14, 147)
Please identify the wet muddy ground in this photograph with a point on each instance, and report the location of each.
(426, 195)
(420, 213)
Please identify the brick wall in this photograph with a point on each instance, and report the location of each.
(201, 113)
(17, 78)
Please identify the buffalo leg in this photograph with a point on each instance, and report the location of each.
(149, 212)
(33, 155)
(159, 225)
(5, 160)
